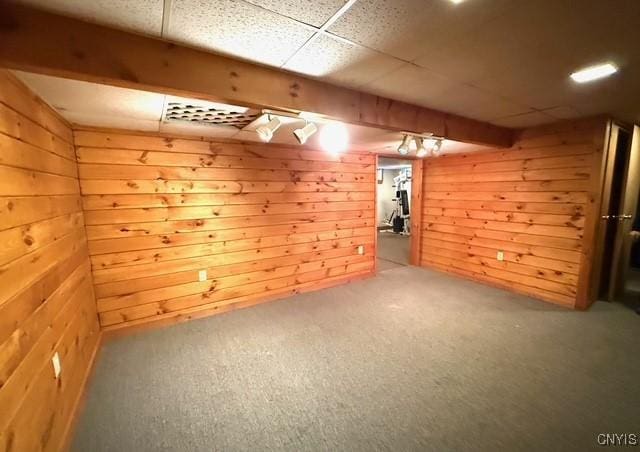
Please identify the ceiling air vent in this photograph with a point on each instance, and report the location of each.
(198, 114)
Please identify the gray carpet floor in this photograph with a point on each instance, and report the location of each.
(393, 248)
(409, 360)
(384, 265)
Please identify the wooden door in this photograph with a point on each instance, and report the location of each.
(626, 216)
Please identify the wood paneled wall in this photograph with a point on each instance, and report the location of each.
(264, 221)
(532, 202)
(46, 295)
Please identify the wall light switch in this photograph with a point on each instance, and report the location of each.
(500, 255)
(202, 275)
(57, 368)
(361, 250)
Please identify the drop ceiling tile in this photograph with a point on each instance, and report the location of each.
(111, 121)
(528, 54)
(526, 120)
(199, 130)
(91, 99)
(141, 16)
(406, 28)
(469, 101)
(562, 112)
(341, 62)
(481, 53)
(420, 86)
(236, 28)
(410, 83)
(314, 13)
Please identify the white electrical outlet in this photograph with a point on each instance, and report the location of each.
(57, 368)
(361, 250)
(202, 275)
(500, 255)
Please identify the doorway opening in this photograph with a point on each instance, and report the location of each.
(618, 277)
(393, 208)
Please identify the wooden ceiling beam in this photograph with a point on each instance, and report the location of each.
(41, 42)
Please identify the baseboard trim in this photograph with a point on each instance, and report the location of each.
(78, 405)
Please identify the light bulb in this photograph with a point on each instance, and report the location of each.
(334, 137)
(403, 149)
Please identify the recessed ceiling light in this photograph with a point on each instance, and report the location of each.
(334, 137)
(594, 72)
(456, 1)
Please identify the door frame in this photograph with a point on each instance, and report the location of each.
(415, 238)
(626, 214)
(417, 170)
(595, 229)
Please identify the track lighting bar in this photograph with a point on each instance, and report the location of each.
(426, 144)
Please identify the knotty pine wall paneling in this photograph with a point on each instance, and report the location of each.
(47, 303)
(264, 221)
(531, 202)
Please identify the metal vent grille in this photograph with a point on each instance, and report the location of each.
(199, 114)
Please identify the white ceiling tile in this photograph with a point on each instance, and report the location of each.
(111, 122)
(91, 99)
(404, 28)
(526, 120)
(471, 102)
(341, 62)
(482, 53)
(141, 16)
(420, 86)
(236, 28)
(314, 13)
(410, 83)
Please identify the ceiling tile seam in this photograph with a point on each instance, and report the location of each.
(348, 41)
(166, 16)
(310, 27)
(337, 15)
(343, 9)
(520, 114)
(413, 63)
(164, 108)
(544, 111)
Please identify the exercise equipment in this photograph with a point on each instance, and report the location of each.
(399, 218)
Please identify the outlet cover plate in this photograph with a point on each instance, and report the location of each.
(57, 367)
(202, 275)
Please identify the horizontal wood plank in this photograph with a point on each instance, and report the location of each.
(528, 205)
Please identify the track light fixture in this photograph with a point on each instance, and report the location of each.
(403, 149)
(435, 151)
(426, 144)
(333, 136)
(421, 151)
(266, 131)
(303, 134)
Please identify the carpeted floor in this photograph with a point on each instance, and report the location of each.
(409, 360)
(384, 265)
(393, 248)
